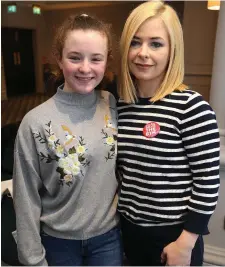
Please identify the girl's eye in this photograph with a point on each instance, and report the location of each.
(96, 59)
(156, 44)
(75, 58)
(134, 43)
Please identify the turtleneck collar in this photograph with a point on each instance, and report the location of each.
(75, 99)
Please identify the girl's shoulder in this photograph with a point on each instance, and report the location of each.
(107, 97)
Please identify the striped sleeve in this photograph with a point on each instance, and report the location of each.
(201, 141)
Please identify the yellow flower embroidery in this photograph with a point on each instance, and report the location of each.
(109, 140)
(80, 149)
(52, 138)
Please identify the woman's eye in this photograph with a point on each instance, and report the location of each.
(134, 43)
(156, 44)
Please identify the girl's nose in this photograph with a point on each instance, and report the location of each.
(84, 66)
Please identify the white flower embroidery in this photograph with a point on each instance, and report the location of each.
(70, 164)
(75, 170)
(73, 157)
(59, 151)
(51, 146)
(72, 161)
(64, 163)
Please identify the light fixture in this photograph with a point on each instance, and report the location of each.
(36, 10)
(213, 4)
(11, 8)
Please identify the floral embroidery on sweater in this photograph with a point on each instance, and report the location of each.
(110, 140)
(71, 161)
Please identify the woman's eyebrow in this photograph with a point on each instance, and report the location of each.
(152, 38)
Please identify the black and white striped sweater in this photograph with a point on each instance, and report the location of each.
(171, 178)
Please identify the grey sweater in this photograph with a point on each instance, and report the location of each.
(64, 171)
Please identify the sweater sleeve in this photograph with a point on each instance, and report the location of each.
(27, 202)
(201, 140)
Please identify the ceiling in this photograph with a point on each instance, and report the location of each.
(54, 5)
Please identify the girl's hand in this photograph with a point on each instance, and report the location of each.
(179, 251)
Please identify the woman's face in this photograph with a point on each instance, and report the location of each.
(84, 60)
(149, 52)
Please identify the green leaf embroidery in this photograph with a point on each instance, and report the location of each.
(48, 158)
(41, 139)
(81, 141)
(60, 170)
(48, 124)
(72, 150)
(115, 137)
(105, 134)
(81, 158)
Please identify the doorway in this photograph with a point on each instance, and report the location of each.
(17, 52)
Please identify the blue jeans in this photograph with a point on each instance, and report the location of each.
(102, 250)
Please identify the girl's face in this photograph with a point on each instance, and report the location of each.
(84, 60)
(149, 52)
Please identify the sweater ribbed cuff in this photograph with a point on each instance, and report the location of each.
(197, 223)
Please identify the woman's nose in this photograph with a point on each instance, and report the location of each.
(144, 52)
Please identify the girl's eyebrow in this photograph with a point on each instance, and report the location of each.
(77, 53)
(74, 52)
(98, 54)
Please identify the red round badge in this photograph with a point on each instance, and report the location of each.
(151, 129)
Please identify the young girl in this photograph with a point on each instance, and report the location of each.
(65, 151)
(168, 145)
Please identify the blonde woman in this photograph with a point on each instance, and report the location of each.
(168, 145)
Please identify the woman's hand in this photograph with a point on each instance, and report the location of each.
(179, 251)
(174, 254)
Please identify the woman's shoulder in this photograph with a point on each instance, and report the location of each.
(189, 101)
(185, 95)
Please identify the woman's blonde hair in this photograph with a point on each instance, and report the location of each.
(175, 72)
